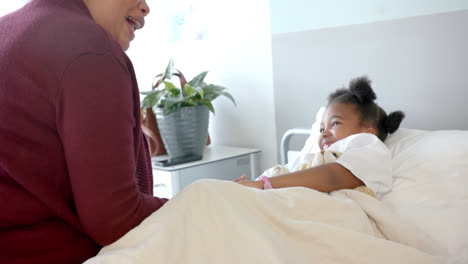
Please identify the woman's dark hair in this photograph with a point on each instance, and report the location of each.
(360, 94)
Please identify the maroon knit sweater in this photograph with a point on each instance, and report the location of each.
(75, 172)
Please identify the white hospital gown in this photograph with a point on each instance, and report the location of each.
(363, 154)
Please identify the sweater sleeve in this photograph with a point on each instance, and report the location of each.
(96, 123)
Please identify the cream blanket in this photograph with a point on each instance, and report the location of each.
(215, 221)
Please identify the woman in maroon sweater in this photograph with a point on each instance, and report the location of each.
(75, 172)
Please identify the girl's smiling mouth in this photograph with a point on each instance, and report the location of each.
(326, 145)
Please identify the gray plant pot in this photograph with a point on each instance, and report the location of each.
(184, 132)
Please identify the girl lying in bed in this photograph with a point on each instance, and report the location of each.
(353, 128)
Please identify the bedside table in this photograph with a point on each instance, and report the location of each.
(219, 162)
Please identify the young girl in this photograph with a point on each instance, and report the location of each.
(355, 127)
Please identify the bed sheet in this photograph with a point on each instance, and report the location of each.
(430, 175)
(215, 221)
(422, 220)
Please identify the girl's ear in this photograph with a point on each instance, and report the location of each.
(370, 130)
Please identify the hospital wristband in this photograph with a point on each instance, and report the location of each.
(266, 182)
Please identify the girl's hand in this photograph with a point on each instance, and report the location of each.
(242, 178)
(253, 184)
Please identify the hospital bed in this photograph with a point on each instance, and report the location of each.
(422, 220)
(285, 151)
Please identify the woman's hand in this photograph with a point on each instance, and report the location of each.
(253, 184)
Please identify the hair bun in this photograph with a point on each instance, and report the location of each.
(393, 121)
(361, 88)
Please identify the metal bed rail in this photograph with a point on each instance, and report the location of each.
(286, 139)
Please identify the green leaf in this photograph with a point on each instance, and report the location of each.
(200, 91)
(211, 96)
(171, 89)
(212, 91)
(188, 103)
(148, 92)
(169, 69)
(151, 99)
(208, 104)
(213, 88)
(198, 80)
(228, 95)
(169, 86)
(171, 104)
(188, 90)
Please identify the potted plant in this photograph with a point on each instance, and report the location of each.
(182, 113)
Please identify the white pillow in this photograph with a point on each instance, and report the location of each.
(310, 146)
(430, 184)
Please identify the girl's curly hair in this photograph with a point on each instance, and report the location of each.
(361, 94)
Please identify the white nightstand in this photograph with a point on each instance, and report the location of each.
(219, 162)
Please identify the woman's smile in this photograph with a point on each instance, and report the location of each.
(121, 18)
(133, 25)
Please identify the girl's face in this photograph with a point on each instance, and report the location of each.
(339, 121)
(119, 17)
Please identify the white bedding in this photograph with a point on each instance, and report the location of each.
(223, 222)
(422, 220)
(430, 184)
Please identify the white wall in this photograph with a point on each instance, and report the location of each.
(417, 65)
(300, 15)
(237, 54)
